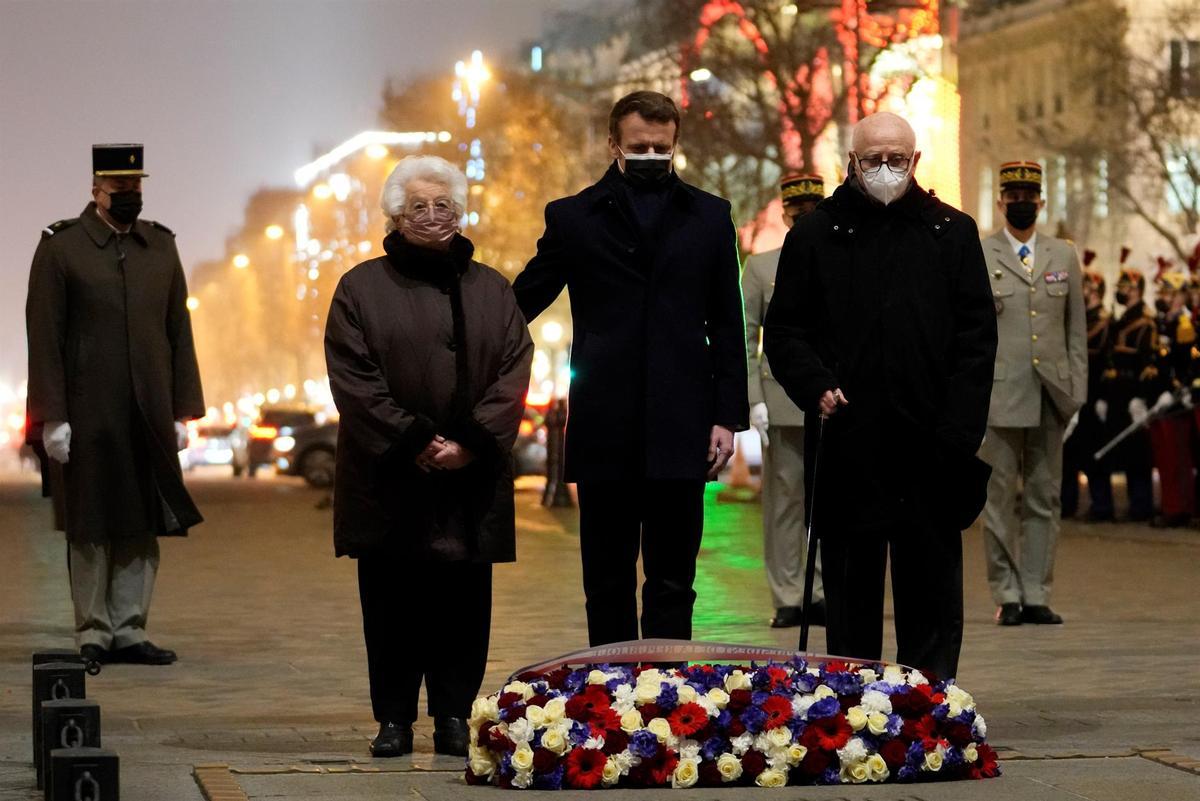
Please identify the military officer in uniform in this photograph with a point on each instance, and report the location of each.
(112, 378)
(1171, 433)
(1039, 383)
(1092, 432)
(780, 425)
(1134, 374)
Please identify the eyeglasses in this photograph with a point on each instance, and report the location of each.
(871, 164)
(422, 206)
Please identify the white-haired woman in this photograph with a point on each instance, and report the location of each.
(428, 359)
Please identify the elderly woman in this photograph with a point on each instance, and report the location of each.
(428, 360)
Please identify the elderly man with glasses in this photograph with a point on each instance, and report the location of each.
(882, 322)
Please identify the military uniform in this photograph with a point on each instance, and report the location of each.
(1092, 431)
(111, 356)
(1171, 434)
(1134, 374)
(783, 498)
(1039, 382)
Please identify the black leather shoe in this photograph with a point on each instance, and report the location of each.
(786, 617)
(450, 736)
(1171, 521)
(393, 740)
(144, 653)
(1039, 615)
(1009, 615)
(93, 653)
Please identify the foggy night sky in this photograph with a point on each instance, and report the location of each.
(227, 95)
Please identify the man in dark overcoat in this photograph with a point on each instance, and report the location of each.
(882, 320)
(112, 378)
(658, 365)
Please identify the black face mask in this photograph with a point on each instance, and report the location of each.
(124, 207)
(1122, 297)
(1021, 214)
(1162, 305)
(647, 172)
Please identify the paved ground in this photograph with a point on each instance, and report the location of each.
(272, 679)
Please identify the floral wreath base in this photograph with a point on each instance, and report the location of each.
(795, 720)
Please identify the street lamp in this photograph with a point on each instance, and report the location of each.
(274, 231)
(701, 74)
(241, 261)
(193, 303)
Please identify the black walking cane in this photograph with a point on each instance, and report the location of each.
(810, 566)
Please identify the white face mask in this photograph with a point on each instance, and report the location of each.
(883, 184)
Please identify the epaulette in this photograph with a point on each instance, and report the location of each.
(53, 228)
(1185, 332)
(161, 227)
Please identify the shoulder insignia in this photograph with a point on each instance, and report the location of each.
(161, 227)
(53, 228)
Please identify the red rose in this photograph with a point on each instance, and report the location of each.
(958, 734)
(753, 763)
(543, 760)
(836, 666)
(987, 766)
(736, 727)
(815, 762)
(557, 679)
(687, 719)
(894, 753)
(911, 703)
(709, 775)
(827, 734)
(779, 712)
(649, 713)
(739, 700)
(605, 721)
(498, 741)
(508, 699)
(847, 701)
(539, 700)
(615, 741)
(585, 768)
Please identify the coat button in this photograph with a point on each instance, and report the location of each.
(1033, 313)
(947, 219)
(630, 250)
(835, 227)
(849, 230)
(1033, 289)
(1035, 337)
(1036, 361)
(937, 227)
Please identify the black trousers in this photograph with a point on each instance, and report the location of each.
(662, 519)
(1089, 436)
(424, 619)
(927, 593)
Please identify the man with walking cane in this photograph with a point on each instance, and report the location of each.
(882, 320)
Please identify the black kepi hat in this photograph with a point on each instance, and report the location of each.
(1021, 175)
(121, 160)
(796, 188)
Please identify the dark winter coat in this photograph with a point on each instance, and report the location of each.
(891, 304)
(419, 344)
(659, 355)
(111, 353)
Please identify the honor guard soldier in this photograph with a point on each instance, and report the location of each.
(1039, 383)
(112, 377)
(780, 425)
(1173, 430)
(1134, 374)
(1091, 433)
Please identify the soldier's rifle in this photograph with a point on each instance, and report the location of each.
(1159, 412)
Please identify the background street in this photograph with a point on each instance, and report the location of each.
(272, 674)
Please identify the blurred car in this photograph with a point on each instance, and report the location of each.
(308, 452)
(273, 422)
(218, 444)
(529, 451)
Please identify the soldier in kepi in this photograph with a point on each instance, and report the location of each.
(112, 378)
(1039, 383)
(1092, 431)
(780, 426)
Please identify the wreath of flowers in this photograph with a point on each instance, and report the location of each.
(705, 725)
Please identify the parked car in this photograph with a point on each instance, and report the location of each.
(273, 422)
(218, 444)
(308, 452)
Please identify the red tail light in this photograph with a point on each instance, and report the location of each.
(526, 428)
(263, 432)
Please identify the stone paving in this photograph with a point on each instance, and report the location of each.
(271, 690)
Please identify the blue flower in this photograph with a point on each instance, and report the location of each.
(954, 758)
(724, 719)
(579, 734)
(753, 717)
(915, 755)
(894, 724)
(759, 698)
(713, 747)
(643, 744)
(940, 711)
(575, 680)
(806, 682)
(844, 683)
(830, 776)
(797, 725)
(966, 717)
(506, 768)
(798, 664)
(549, 781)
(537, 738)
(884, 687)
(907, 774)
(825, 708)
(612, 684)
(668, 697)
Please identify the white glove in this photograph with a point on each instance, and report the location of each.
(1074, 421)
(1165, 401)
(1102, 411)
(761, 422)
(181, 436)
(1138, 410)
(57, 439)
(1186, 399)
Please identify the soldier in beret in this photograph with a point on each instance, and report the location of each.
(112, 378)
(1039, 383)
(784, 541)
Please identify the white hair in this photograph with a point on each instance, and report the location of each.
(434, 169)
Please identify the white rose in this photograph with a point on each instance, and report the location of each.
(522, 779)
(520, 688)
(856, 773)
(484, 710)
(660, 728)
(796, 754)
(868, 676)
(686, 774)
(877, 768)
(646, 693)
(856, 717)
(956, 693)
(893, 674)
(631, 721)
(916, 678)
(719, 697)
(737, 680)
(522, 758)
(652, 676)
(933, 760)
(970, 752)
(875, 701)
(730, 767)
(771, 778)
(554, 741)
(877, 723)
(481, 763)
(762, 743)
(555, 709)
(824, 691)
(594, 743)
(741, 744)
(780, 736)
(536, 716)
(687, 694)
(612, 773)
(520, 731)
(597, 677)
(979, 726)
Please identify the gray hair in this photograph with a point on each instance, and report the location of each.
(426, 168)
